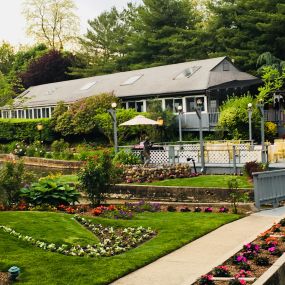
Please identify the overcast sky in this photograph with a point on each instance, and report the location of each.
(12, 23)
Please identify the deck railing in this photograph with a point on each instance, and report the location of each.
(269, 187)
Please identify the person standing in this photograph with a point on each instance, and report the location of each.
(146, 151)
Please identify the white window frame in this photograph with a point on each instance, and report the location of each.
(195, 96)
(173, 98)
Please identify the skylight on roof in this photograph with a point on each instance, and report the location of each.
(186, 73)
(132, 80)
(88, 85)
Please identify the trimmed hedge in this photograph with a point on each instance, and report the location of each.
(23, 129)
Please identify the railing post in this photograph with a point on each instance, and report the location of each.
(234, 160)
(256, 193)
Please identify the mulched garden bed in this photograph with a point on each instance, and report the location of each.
(4, 278)
(252, 261)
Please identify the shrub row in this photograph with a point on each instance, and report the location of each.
(22, 129)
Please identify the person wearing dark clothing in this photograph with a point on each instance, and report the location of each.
(146, 151)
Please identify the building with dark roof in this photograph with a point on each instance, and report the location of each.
(209, 80)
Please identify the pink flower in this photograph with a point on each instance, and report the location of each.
(271, 249)
(242, 282)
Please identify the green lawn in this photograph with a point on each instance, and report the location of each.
(200, 181)
(204, 181)
(46, 268)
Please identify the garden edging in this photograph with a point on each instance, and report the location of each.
(176, 193)
(275, 275)
(43, 162)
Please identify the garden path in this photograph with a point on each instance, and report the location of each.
(185, 265)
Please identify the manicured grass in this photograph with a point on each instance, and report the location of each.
(204, 181)
(71, 178)
(46, 268)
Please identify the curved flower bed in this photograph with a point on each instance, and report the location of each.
(112, 241)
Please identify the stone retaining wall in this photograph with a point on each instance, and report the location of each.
(171, 193)
(42, 162)
(140, 173)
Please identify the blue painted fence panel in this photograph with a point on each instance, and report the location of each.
(269, 187)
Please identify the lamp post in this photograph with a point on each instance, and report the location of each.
(160, 123)
(180, 111)
(113, 114)
(198, 110)
(249, 109)
(40, 127)
(260, 106)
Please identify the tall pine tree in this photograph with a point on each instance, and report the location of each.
(244, 29)
(166, 32)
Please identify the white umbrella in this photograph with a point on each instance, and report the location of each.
(139, 120)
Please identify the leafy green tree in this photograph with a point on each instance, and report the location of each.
(105, 40)
(234, 118)
(268, 59)
(273, 81)
(52, 22)
(53, 66)
(12, 178)
(6, 90)
(7, 55)
(244, 29)
(165, 32)
(125, 134)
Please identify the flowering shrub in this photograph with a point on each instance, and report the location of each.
(206, 280)
(223, 210)
(112, 242)
(221, 271)
(20, 149)
(276, 228)
(243, 273)
(96, 176)
(251, 250)
(274, 251)
(239, 258)
(208, 210)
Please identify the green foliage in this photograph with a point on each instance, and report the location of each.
(270, 130)
(244, 29)
(166, 31)
(12, 177)
(234, 117)
(80, 118)
(59, 146)
(127, 158)
(236, 194)
(21, 129)
(167, 131)
(105, 125)
(96, 176)
(36, 149)
(50, 192)
(105, 41)
(7, 55)
(273, 80)
(253, 166)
